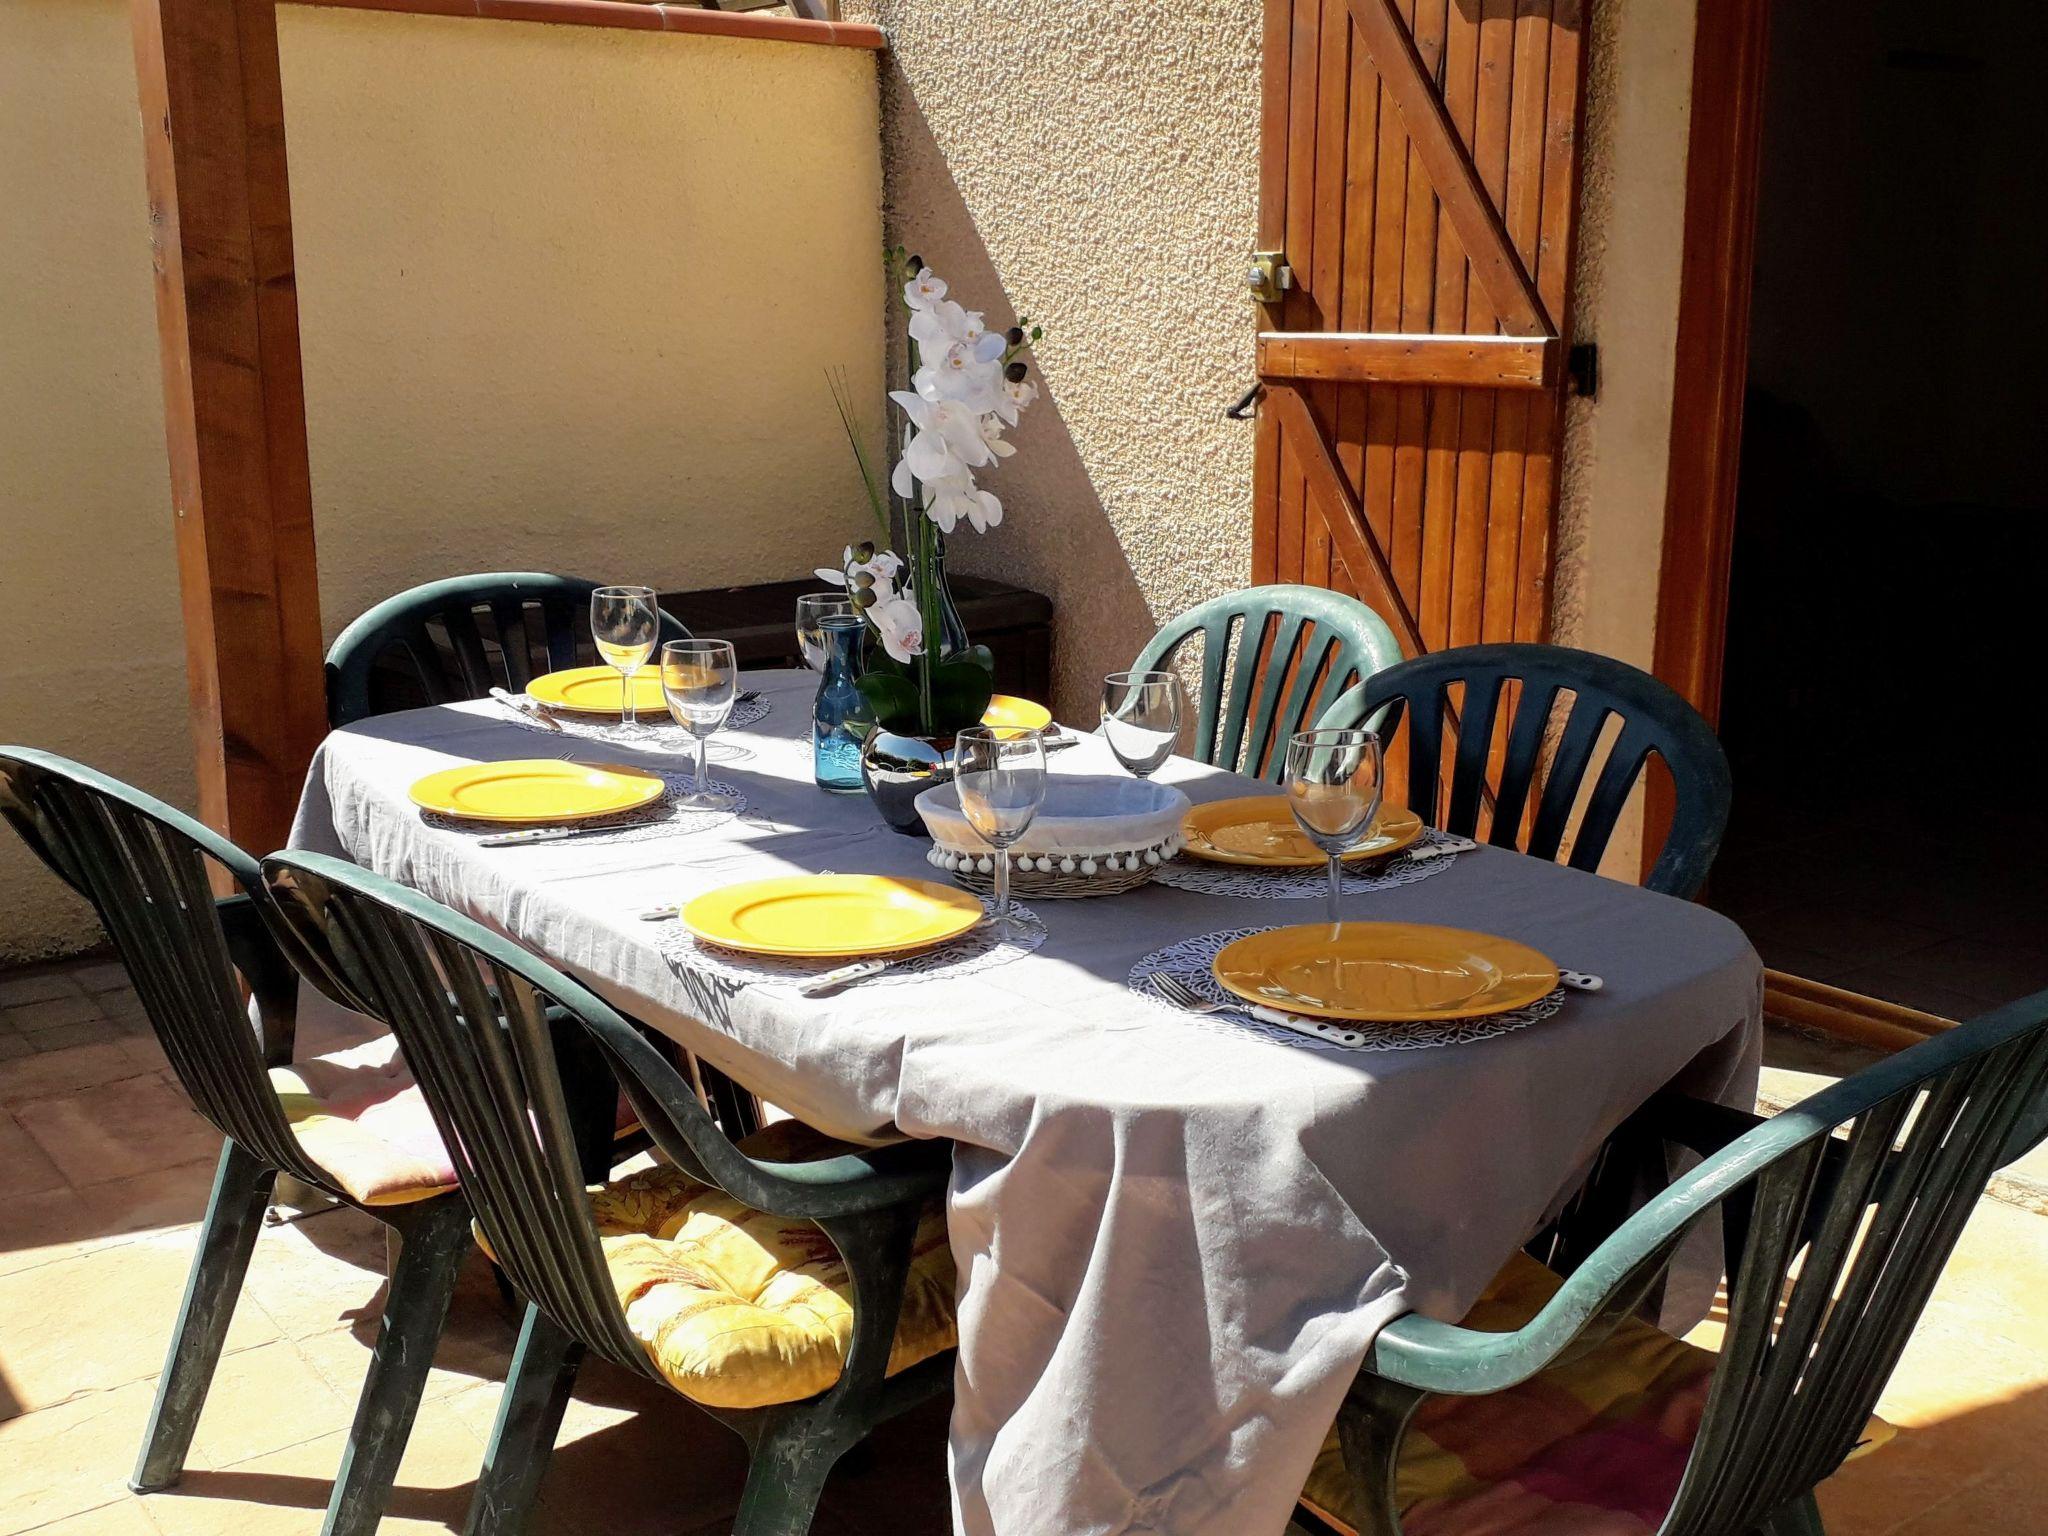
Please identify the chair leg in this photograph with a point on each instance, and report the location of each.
(537, 1390)
(786, 1476)
(435, 1243)
(234, 1215)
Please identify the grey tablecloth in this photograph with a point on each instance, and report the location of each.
(1175, 1246)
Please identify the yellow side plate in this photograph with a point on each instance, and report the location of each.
(1008, 713)
(1380, 973)
(832, 915)
(599, 691)
(1260, 830)
(541, 789)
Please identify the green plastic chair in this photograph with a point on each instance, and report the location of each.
(1332, 644)
(1864, 1187)
(470, 1010)
(1651, 717)
(459, 638)
(144, 866)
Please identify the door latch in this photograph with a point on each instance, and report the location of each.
(1269, 276)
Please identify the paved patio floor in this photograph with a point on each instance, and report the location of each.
(103, 1169)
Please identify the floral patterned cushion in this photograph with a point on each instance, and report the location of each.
(360, 1116)
(1594, 1446)
(738, 1309)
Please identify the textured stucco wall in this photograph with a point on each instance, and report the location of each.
(567, 300)
(1095, 166)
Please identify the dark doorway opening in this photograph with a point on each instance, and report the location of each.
(1883, 696)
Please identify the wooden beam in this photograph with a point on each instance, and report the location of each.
(1365, 357)
(637, 17)
(1731, 55)
(234, 405)
(1848, 1015)
(1459, 188)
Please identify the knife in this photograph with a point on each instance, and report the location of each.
(554, 834)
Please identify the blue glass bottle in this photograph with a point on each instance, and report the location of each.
(840, 718)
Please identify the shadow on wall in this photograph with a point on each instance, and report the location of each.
(1055, 537)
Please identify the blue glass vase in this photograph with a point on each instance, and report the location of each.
(840, 719)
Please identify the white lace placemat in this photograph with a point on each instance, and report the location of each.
(666, 817)
(1189, 960)
(1188, 873)
(981, 948)
(653, 733)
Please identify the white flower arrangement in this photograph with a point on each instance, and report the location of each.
(967, 385)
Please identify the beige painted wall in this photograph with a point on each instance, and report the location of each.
(1099, 166)
(1095, 166)
(567, 298)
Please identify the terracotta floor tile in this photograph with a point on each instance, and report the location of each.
(124, 1517)
(33, 986)
(101, 975)
(100, 1319)
(113, 1130)
(48, 1073)
(267, 1399)
(24, 1168)
(40, 1229)
(64, 1036)
(287, 1491)
(69, 1008)
(13, 1045)
(71, 1458)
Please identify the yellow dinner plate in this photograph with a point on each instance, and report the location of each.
(1260, 830)
(1015, 715)
(599, 691)
(542, 789)
(832, 915)
(1384, 972)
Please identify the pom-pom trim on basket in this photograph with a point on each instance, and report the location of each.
(1060, 875)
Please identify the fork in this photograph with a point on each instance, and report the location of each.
(1181, 995)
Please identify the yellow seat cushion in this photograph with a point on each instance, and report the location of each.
(359, 1115)
(738, 1309)
(1594, 1446)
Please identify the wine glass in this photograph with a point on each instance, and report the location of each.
(1333, 788)
(1001, 780)
(700, 679)
(625, 624)
(1141, 718)
(812, 610)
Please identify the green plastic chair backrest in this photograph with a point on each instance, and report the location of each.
(144, 867)
(1843, 1210)
(470, 1010)
(459, 638)
(1309, 651)
(1604, 694)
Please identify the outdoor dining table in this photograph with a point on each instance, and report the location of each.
(1175, 1243)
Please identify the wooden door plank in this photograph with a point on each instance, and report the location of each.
(1471, 209)
(1400, 357)
(234, 406)
(1349, 530)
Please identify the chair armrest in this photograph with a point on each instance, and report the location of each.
(1700, 1125)
(870, 1179)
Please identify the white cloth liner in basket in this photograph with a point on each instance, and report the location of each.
(1090, 826)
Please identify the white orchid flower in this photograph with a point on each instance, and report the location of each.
(956, 428)
(950, 500)
(883, 568)
(992, 434)
(1012, 399)
(925, 289)
(900, 625)
(938, 327)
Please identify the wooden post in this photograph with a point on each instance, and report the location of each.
(234, 404)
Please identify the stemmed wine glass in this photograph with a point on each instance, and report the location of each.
(1333, 788)
(1001, 779)
(625, 624)
(812, 610)
(1141, 718)
(700, 679)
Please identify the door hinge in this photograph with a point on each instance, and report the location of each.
(1582, 363)
(1269, 276)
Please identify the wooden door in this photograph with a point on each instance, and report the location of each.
(1420, 173)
